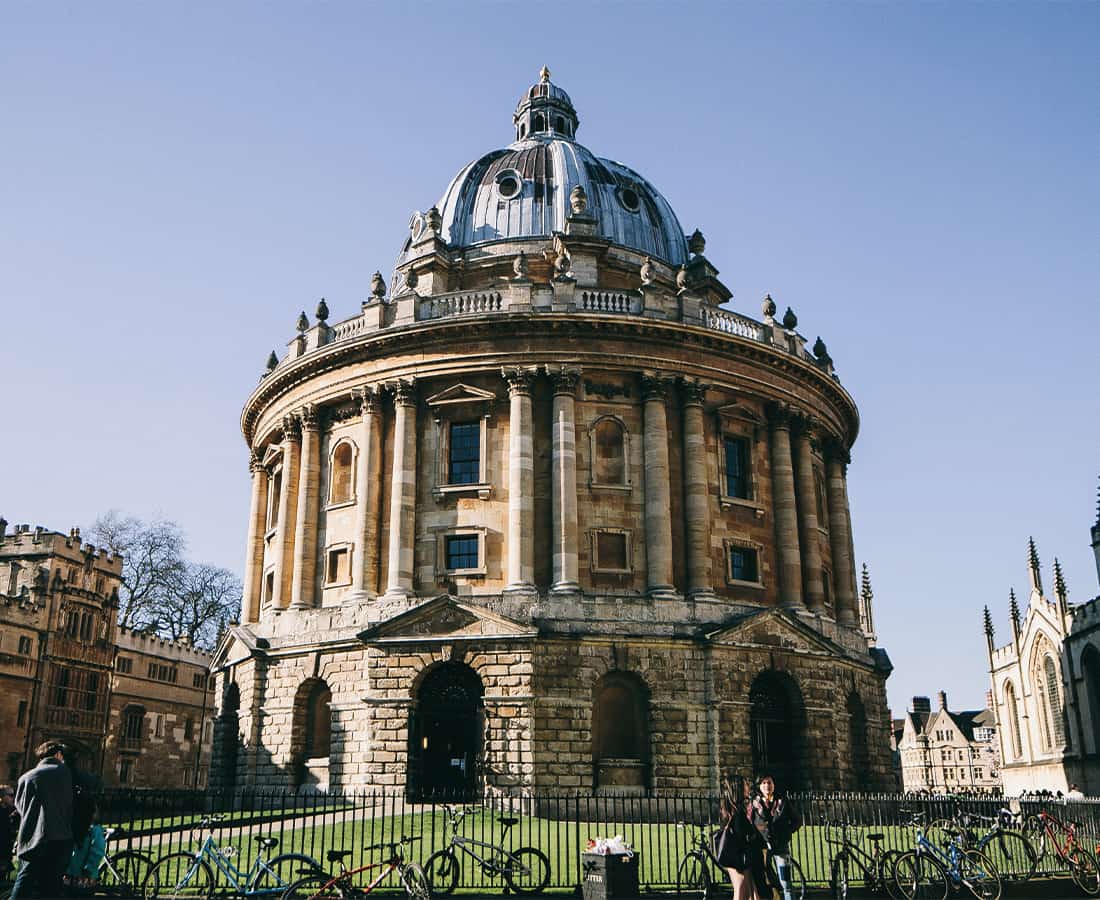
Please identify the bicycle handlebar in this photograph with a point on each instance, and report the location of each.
(404, 839)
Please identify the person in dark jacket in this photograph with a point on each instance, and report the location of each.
(44, 800)
(9, 828)
(742, 850)
(775, 821)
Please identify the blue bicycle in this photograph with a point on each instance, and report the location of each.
(190, 876)
(927, 871)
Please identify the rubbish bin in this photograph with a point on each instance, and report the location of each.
(609, 875)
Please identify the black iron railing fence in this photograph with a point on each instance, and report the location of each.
(660, 828)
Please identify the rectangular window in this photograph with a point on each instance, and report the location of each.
(91, 694)
(61, 688)
(461, 551)
(465, 453)
(743, 564)
(13, 579)
(197, 680)
(611, 550)
(21, 714)
(125, 767)
(274, 496)
(339, 566)
(24, 646)
(738, 483)
(269, 587)
(125, 665)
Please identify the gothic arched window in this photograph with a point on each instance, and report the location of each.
(1054, 702)
(1012, 714)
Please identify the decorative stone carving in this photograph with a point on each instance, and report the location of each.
(322, 310)
(520, 266)
(365, 398)
(768, 307)
(433, 219)
(693, 392)
(272, 361)
(780, 415)
(648, 271)
(563, 262)
(255, 462)
(821, 353)
(681, 279)
(308, 417)
(790, 320)
(520, 379)
(697, 243)
(404, 392)
(292, 428)
(578, 201)
(654, 387)
(411, 279)
(564, 379)
(377, 286)
(303, 323)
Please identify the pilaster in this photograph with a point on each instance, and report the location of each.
(809, 538)
(658, 504)
(254, 553)
(368, 492)
(786, 513)
(564, 476)
(402, 492)
(288, 511)
(521, 481)
(303, 587)
(696, 491)
(844, 571)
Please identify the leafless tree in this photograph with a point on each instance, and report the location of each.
(162, 592)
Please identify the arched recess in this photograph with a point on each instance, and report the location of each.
(1012, 715)
(311, 733)
(609, 451)
(342, 473)
(777, 727)
(446, 728)
(859, 754)
(227, 736)
(620, 733)
(1090, 669)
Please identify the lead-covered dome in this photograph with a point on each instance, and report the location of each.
(523, 190)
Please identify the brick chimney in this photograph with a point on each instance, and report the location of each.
(943, 699)
(922, 705)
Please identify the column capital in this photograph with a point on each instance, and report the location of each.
(366, 397)
(780, 416)
(520, 378)
(836, 450)
(564, 378)
(307, 415)
(693, 391)
(292, 427)
(404, 392)
(655, 386)
(255, 462)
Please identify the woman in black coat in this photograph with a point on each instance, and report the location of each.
(776, 823)
(738, 845)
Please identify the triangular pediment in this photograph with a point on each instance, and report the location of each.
(236, 644)
(775, 628)
(446, 618)
(461, 393)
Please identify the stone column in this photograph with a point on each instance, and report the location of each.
(288, 510)
(303, 585)
(564, 437)
(364, 576)
(658, 504)
(809, 537)
(521, 481)
(696, 492)
(786, 515)
(403, 492)
(844, 570)
(254, 555)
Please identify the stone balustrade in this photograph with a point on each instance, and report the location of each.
(609, 302)
(466, 303)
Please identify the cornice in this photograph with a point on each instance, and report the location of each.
(449, 333)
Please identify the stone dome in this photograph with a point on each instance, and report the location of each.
(523, 191)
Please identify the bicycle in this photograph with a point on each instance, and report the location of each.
(1059, 839)
(694, 873)
(927, 871)
(853, 864)
(122, 874)
(1010, 851)
(526, 869)
(320, 885)
(189, 876)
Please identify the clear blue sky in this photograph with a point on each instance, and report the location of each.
(918, 181)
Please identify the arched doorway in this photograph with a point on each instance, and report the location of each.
(445, 733)
(775, 728)
(859, 761)
(312, 734)
(620, 733)
(1090, 668)
(228, 735)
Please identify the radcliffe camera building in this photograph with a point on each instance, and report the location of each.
(544, 514)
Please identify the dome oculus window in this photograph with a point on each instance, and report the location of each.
(629, 198)
(509, 184)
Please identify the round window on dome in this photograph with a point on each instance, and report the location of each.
(509, 184)
(630, 200)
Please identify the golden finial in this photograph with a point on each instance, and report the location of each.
(544, 75)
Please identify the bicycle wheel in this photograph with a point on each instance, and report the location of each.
(1083, 870)
(920, 877)
(1012, 855)
(277, 874)
(123, 874)
(417, 886)
(178, 876)
(314, 887)
(838, 876)
(527, 871)
(884, 873)
(979, 876)
(442, 870)
(693, 877)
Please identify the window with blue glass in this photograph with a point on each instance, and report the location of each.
(462, 551)
(465, 453)
(738, 483)
(743, 565)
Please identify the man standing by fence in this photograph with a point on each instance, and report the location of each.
(44, 799)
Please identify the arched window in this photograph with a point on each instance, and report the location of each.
(559, 124)
(609, 452)
(538, 123)
(1012, 713)
(620, 732)
(860, 761)
(343, 473)
(318, 722)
